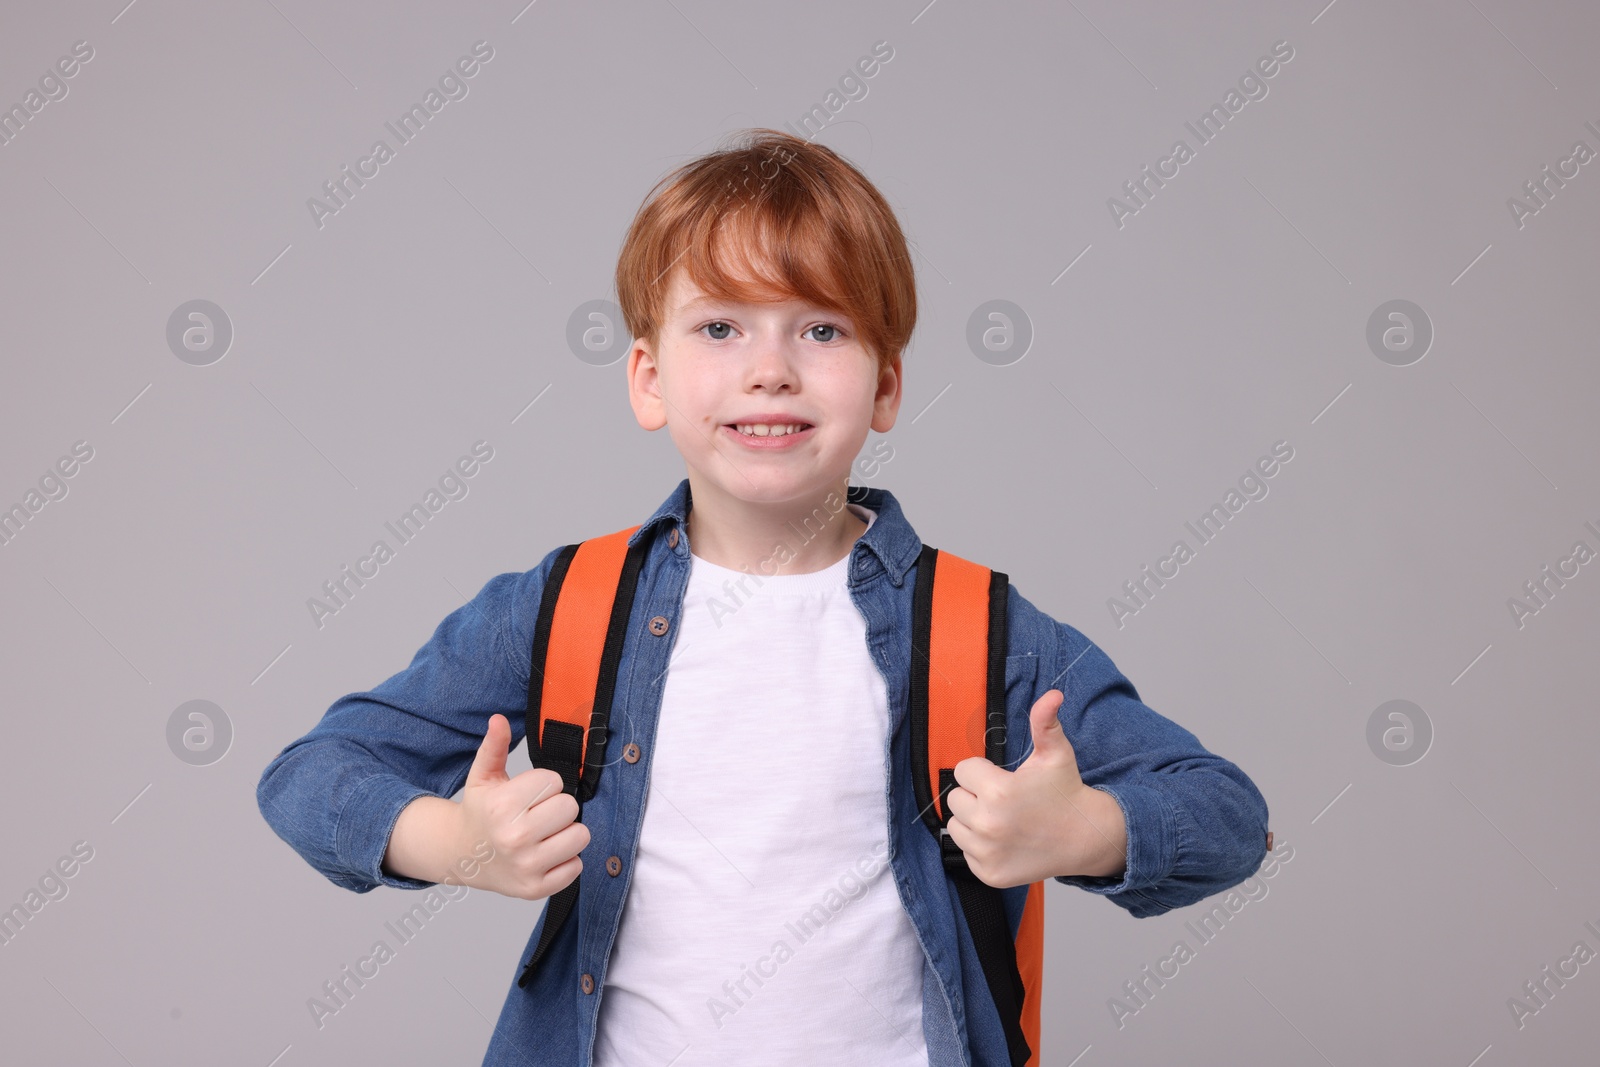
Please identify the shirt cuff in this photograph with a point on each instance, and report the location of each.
(365, 825)
(1152, 842)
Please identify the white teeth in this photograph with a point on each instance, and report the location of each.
(764, 430)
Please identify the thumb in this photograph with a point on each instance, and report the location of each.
(489, 765)
(1050, 742)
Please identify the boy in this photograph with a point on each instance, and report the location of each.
(756, 885)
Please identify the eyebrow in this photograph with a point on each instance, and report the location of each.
(717, 302)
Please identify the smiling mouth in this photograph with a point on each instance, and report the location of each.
(798, 427)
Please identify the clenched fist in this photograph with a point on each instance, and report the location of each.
(515, 836)
(528, 821)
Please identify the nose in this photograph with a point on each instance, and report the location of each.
(772, 365)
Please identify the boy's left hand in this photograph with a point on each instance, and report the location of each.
(1039, 821)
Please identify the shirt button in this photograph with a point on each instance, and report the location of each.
(631, 753)
(613, 866)
(658, 625)
(587, 983)
(672, 538)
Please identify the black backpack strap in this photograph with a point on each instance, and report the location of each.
(583, 614)
(958, 650)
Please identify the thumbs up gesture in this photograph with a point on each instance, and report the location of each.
(528, 820)
(1039, 821)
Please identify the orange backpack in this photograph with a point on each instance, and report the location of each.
(958, 645)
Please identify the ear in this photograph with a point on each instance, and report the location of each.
(644, 386)
(886, 402)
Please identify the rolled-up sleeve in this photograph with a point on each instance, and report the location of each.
(1196, 823)
(335, 794)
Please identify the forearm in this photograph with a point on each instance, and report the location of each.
(1195, 823)
(1198, 833)
(426, 842)
(1221, 821)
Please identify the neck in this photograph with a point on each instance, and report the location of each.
(808, 533)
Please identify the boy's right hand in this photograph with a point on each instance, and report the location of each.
(528, 820)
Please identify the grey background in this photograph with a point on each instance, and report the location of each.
(1228, 314)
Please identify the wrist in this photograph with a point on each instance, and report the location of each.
(426, 841)
(1102, 835)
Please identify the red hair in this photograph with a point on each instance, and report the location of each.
(772, 217)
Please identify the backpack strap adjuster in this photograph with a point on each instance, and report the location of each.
(950, 854)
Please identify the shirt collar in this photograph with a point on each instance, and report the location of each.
(890, 540)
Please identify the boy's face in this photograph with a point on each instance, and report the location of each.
(720, 363)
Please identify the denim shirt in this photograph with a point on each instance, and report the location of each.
(1196, 824)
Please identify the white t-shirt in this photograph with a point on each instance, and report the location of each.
(762, 924)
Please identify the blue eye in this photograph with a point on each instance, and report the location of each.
(720, 325)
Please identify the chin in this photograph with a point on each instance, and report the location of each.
(772, 487)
